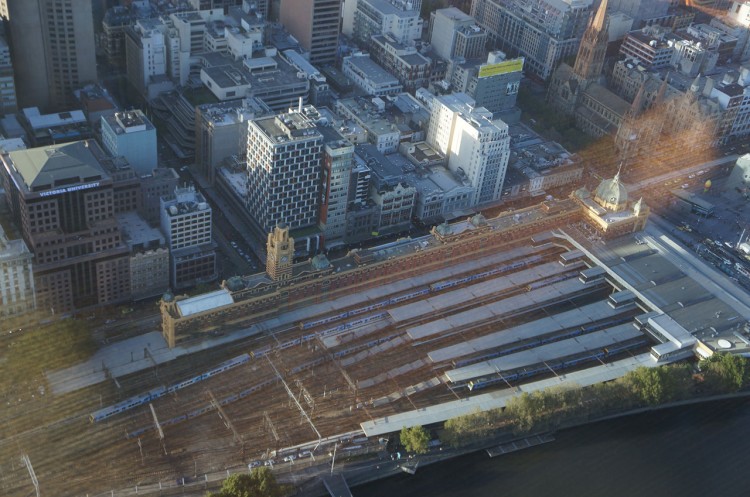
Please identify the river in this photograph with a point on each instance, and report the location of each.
(700, 450)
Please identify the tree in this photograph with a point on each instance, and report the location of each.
(726, 371)
(260, 482)
(415, 439)
(656, 385)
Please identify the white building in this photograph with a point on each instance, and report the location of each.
(474, 145)
(455, 34)
(186, 223)
(191, 28)
(16, 277)
(154, 57)
(369, 76)
(377, 17)
(131, 134)
(283, 171)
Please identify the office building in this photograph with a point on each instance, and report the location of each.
(377, 17)
(149, 256)
(544, 32)
(492, 84)
(53, 49)
(187, 225)
(283, 171)
(476, 147)
(59, 127)
(338, 154)
(369, 76)
(130, 134)
(315, 24)
(8, 100)
(454, 34)
(221, 132)
(154, 57)
(412, 69)
(63, 199)
(649, 46)
(270, 78)
(116, 20)
(17, 294)
(160, 182)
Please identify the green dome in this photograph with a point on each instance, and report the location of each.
(611, 191)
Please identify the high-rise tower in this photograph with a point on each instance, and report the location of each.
(52, 44)
(283, 171)
(315, 23)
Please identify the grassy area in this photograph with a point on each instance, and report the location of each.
(27, 354)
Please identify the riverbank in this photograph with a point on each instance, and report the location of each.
(376, 469)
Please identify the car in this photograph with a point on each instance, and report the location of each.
(289, 458)
(254, 464)
(233, 244)
(304, 454)
(269, 462)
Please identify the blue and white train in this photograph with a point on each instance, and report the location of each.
(435, 287)
(557, 365)
(145, 398)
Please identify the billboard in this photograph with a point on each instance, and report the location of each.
(503, 67)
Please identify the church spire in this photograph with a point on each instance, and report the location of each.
(593, 48)
(601, 17)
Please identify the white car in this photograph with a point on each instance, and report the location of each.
(289, 458)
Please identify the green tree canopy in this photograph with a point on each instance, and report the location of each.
(658, 385)
(260, 482)
(726, 371)
(415, 439)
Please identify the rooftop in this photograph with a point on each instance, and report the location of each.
(57, 166)
(287, 127)
(137, 232)
(205, 302)
(371, 69)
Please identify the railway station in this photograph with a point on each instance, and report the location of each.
(411, 333)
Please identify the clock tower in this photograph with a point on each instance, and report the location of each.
(279, 254)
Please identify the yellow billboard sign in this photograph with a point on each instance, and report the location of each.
(503, 67)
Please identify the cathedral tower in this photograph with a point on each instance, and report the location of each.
(590, 59)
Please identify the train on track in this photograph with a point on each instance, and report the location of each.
(555, 366)
(158, 392)
(145, 398)
(433, 288)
